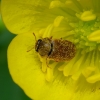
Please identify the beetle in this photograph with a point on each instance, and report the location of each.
(55, 49)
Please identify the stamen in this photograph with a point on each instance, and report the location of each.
(54, 4)
(58, 20)
(50, 71)
(87, 16)
(88, 71)
(49, 74)
(44, 63)
(77, 66)
(70, 4)
(61, 68)
(76, 75)
(48, 31)
(76, 2)
(68, 67)
(94, 78)
(94, 36)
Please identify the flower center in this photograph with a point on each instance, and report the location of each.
(82, 28)
(86, 61)
(83, 38)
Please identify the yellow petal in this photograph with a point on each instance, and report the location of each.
(25, 69)
(23, 16)
(24, 66)
(17, 17)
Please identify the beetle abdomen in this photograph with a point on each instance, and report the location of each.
(62, 50)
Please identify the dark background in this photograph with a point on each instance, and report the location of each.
(8, 89)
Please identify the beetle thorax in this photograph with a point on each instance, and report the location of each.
(43, 46)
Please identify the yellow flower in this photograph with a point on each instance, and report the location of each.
(75, 20)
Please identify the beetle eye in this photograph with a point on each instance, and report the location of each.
(37, 44)
(39, 40)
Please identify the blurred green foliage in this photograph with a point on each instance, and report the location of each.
(8, 89)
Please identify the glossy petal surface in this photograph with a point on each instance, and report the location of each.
(25, 68)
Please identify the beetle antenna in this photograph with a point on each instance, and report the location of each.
(30, 49)
(34, 36)
(33, 47)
